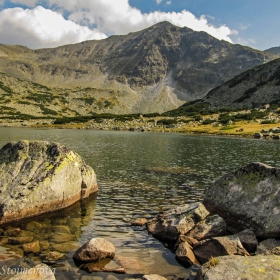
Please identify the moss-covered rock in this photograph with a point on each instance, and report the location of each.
(248, 198)
(38, 177)
(238, 267)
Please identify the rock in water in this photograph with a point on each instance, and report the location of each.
(38, 177)
(248, 198)
(94, 250)
(178, 221)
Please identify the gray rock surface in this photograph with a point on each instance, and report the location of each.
(238, 267)
(218, 246)
(267, 246)
(178, 221)
(94, 250)
(248, 240)
(210, 227)
(38, 177)
(248, 198)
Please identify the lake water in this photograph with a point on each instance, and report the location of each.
(139, 175)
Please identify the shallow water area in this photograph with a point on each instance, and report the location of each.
(139, 175)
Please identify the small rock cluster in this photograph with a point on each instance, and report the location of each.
(272, 133)
(237, 222)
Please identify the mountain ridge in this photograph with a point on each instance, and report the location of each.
(153, 70)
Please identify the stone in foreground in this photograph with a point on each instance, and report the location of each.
(95, 250)
(238, 267)
(248, 198)
(38, 177)
(178, 221)
(185, 254)
(218, 246)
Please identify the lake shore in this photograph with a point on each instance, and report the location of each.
(245, 129)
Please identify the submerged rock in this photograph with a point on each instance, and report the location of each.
(38, 177)
(178, 221)
(238, 267)
(248, 198)
(139, 222)
(95, 250)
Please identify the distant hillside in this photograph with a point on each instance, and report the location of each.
(153, 70)
(250, 89)
(253, 88)
(275, 50)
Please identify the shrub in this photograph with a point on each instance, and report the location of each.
(208, 121)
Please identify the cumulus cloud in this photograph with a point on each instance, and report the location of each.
(40, 27)
(94, 19)
(159, 1)
(169, 2)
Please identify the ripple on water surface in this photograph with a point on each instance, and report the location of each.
(140, 175)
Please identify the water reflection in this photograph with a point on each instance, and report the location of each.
(140, 174)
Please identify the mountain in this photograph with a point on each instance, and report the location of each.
(274, 50)
(153, 70)
(250, 89)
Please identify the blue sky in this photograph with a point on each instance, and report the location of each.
(49, 23)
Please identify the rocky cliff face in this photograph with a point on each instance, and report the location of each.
(253, 88)
(155, 69)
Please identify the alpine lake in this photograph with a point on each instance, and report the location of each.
(139, 175)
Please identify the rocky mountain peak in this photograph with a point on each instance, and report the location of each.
(152, 70)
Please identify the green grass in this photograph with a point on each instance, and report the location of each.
(228, 127)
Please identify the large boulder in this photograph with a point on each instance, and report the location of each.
(238, 267)
(177, 221)
(38, 177)
(94, 250)
(248, 198)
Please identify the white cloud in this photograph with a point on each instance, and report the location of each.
(40, 27)
(108, 17)
(169, 2)
(245, 42)
(159, 1)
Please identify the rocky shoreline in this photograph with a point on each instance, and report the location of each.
(250, 129)
(234, 233)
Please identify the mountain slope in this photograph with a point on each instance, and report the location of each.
(253, 88)
(274, 50)
(153, 70)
